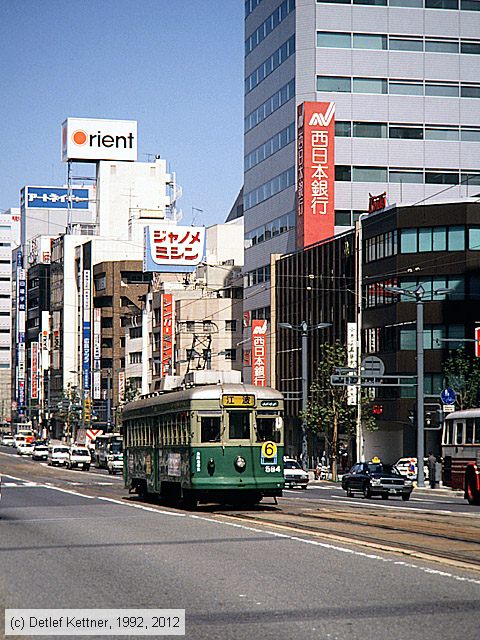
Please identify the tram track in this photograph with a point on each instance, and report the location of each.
(446, 539)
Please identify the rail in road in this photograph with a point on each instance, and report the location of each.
(451, 538)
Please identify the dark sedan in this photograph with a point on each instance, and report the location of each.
(375, 478)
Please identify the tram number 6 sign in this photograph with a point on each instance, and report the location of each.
(269, 453)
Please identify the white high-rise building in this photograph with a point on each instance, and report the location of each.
(405, 79)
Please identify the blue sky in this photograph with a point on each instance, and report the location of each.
(175, 66)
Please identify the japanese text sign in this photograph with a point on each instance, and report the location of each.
(170, 247)
(315, 172)
(259, 353)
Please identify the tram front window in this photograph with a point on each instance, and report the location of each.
(265, 429)
(210, 429)
(239, 425)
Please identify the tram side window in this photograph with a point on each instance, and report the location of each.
(469, 431)
(265, 429)
(459, 433)
(210, 429)
(448, 432)
(239, 425)
(476, 436)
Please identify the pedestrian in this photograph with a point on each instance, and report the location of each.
(432, 468)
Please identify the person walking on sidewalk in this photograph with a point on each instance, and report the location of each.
(432, 468)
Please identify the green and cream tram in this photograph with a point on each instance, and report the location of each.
(214, 443)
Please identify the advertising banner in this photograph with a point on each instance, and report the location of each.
(259, 353)
(97, 353)
(34, 371)
(55, 198)
(173, 248)
(86, 330)
(45, 340)
(315, 172)
(93, 139)
(121, 386)
(167, 334)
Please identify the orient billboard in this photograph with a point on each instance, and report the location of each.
(315, 172)
(89, 139)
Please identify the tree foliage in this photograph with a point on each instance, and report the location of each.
(462, 374)
(327, 410)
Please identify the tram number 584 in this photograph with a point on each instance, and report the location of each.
(272, 468)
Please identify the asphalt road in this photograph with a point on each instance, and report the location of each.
(60, 548)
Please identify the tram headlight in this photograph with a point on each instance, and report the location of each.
(211, 466)
(240, 464)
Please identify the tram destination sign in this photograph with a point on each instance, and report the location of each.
(238, 400)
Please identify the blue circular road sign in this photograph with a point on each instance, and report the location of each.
(448, 396)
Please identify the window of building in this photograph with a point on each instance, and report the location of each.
(369, 85)
(268, 66)
(441, 4)
(369, 174)
(334, 39)
(470, 5)
(277, 100)
(442, 89)
(405, 132)
(405, 88)
(343, 173)
(107, 343)
(230, 325)
(343, 129)
(405, 44)
(408, 241)
(373, 2)
(208, 326)
(441, 133)
(439, 238)
(269, 25)
(135, 357)
(470, 135)
(135, 332)
(470, 179)
(405, 177)
(369, 130)
(343, 218)
(441, 177)
(441, 45)
(369, 40)
(334, 84)
(190, 325)
(456, 238)
(470, 91)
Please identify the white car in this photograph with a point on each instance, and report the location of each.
(57, 454)
(25, 449)
(294, 475)
(7, 440)
(115, 463)
(78, 457)
(40, 452)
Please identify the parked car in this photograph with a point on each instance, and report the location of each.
(294, 475)
(374, 478)
(40, 451)
(25, 448)
(78, 457)
(408, 467)
(57, 454)
(7, 440)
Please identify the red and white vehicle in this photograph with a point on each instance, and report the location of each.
(461, 453)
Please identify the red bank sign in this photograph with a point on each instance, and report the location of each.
(315, 172)
(259, 353)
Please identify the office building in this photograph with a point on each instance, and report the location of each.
(404, 76)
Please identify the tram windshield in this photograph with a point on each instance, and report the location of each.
(265, 429)
(239, 425)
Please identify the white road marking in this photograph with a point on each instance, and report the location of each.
(139, 506)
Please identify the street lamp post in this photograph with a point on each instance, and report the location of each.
(417, 295)
(304, 328)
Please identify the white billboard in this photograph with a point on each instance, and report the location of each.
(91, 139)
(173, 248)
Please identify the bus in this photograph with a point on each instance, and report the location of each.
(214, 443)
(461, 452)
(108, 444)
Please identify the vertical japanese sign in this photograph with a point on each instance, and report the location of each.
(21, 310)
(121, 386)
(86, 330)
(259, 353)
(167, 336)
(97, 354)
(351, 360)
(34, 371)
(315, 172)
(45, 340)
